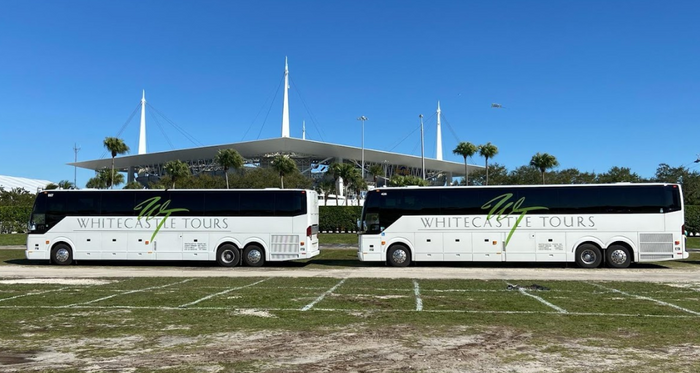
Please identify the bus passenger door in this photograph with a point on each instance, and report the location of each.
(488, 247)
(168, 246)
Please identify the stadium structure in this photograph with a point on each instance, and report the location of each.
(312, 157)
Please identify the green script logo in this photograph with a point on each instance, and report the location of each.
(502, 206)
(153, 209)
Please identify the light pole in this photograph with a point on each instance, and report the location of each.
(363, 119)
(422, 148)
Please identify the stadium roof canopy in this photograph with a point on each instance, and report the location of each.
(297, 148)
(31, 185)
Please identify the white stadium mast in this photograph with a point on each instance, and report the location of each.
(438, 156)
(142, 133)
(285, 109)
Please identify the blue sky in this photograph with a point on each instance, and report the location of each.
(597, 84)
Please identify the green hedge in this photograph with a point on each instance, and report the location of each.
(338, 218)
(692, 218)
(14, 218)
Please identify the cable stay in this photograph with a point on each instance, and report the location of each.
(123, 127)
(162, 131)
(311, 114)
(449, 127)
(269, 109)
(252, 123)
(178, 128)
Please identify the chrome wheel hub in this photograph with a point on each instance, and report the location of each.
(254, 256)
(62, 255)
(618, 257)
(399, 256)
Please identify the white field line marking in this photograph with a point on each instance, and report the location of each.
(649, 299)
(348, 310)
(416, 291)
(320, 298)
(30, 294)
(222, 293)
(126, 293)
(525, 292)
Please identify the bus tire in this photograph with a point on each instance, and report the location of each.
(254, 256)
(227, 255)
(588, 256)
(61, 254)
(618, 256)
(398, 256)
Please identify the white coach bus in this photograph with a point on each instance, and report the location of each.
(228, 226)
(615, 224)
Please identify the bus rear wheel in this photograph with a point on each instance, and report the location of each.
(399, 256)
(618, 256)
(61, 254)
(227, 255)
(588, 256)
(254, 256)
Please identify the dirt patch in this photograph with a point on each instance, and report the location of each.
(400, 348)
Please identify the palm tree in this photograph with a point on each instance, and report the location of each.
(115, 146)
(326, 187)
(466, 150)
(104, 178)
(227, 159)
(335, 170)
(543, 162)
(487, 151)
(133, 185)
(284, 165)
(376, 170)
(177, 170)
(348, 173)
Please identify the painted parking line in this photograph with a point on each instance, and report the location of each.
(222, 293)
(30, 294)
(126, 293)
(649, 299)
(416, 291)
(540, 299)
(320, 298)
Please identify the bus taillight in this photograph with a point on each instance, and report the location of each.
(308, 231)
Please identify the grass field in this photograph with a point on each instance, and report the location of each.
(156, 323)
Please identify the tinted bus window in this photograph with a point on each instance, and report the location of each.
(118, 203)
(290, 203)
(257, 204)
(186, 203)
(222, 203)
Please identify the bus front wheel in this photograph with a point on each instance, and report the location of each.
(399, 256)
(227, 255)
(588, 256)
(618, 256)
(254, 256)
(61, 254)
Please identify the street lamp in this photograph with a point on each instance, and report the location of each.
(422, 147)
(363, 119)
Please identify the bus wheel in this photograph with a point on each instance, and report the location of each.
(618, 256)
(227, 255)
(399, 256)
(254, 256)
(588, 256)
(61, 254)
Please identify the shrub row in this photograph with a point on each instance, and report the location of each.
(14, 218)
(338, 218)
(692, 218)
